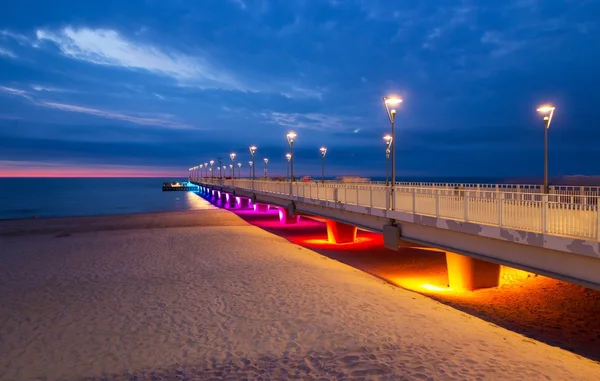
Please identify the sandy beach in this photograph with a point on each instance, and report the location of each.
(204, 295)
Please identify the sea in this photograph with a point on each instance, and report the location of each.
(66, 197)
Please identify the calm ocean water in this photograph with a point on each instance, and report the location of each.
(58, 197)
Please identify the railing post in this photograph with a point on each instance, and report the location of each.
(544, 213)
(387, 198)
(466, 205)
(500, 202)
(597, 219)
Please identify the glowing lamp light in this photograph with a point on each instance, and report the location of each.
(252, 150)
(390, 103)
(547, 112)
(288, 156)
(291, 136)
(323, 151)
(232, 156)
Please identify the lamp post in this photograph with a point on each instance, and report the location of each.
(232, 157)
(288, 156)
(251, 169)
(239, 169)
(232, 170)
(206, 169)
(220, 167)
(201, 166)
(390, 104)
(224, 171)
(211, 167)
(547, 112)
(291, 137)
(266, 162)
(252, 152)
(323, 152)
(388, 142)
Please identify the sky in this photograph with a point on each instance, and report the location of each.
(149, 87)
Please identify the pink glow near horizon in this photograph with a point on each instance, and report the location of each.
(124, 171)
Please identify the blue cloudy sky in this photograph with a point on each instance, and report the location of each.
(149, 85)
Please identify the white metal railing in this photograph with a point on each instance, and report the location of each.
(567, 190)
(574, 216)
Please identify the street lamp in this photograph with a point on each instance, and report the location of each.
(232, 170)
(251, 169)
(232, 156)
(220, 168)
(223, 171)
(291, 136)
(547, 112)
(239, 169)
(201, 166)
(288, 156)
(211, 165)
(323, 152)
(388, 142)
(206, 169)
(390, 107)
(266, 162)
(252, 152)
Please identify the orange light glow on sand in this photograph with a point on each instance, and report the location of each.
(361, 242)
(430, 287)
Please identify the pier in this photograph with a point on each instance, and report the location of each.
(480, 229)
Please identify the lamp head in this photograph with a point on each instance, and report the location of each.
(201, 166)
(291, 136)
(211, 162)
(288, 156)
(547, 112)
(323, 151)
(239, 164)
(250, 163)
(390, 106)
(252, 150)
(232, 156)
(266, 160)
(206, 164)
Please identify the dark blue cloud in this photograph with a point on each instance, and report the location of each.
(178, 83)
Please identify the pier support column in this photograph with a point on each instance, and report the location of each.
(466, 273)
(230, 200)
(244, 203)
(285, 218)
(338, 232)
(261, 208)
(222, 197)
